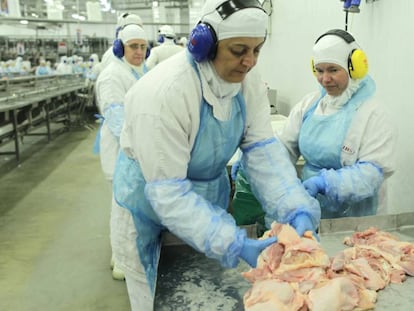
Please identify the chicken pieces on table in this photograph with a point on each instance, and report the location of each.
(296, 273)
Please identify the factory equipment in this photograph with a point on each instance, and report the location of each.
(31, 102)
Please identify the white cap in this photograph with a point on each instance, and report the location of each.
(167, 31)
(132, 32)
(94, 58)
(247, 22)
(183, 41)
(333, 49)
(127, 19)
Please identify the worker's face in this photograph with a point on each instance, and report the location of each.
(332, 77)
(134, 51)
(236, 57)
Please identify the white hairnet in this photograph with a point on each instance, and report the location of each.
(333, 49)
(131, 32)
(167, 31)
(94, 58)
(248, 22)
(183, 41)
(127, 19)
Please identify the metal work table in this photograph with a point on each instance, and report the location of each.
(189, 281)
(26, 102)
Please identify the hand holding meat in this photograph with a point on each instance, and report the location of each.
(315, 185)
(302, 223)
(252, 248)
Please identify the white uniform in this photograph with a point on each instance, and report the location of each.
(111, 87)
(162, 52)
(168, 102)
(370, 130)
(63, 67)
(107, 57)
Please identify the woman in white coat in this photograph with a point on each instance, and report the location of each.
(342, 133)
(199, 106)
(111, 86)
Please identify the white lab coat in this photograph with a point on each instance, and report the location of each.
(172, 101)
(174, 91)
(64, 69)
(370, 133)
(111, 86)
(108, 57)
(162, 52)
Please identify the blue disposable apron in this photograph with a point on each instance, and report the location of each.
(321, 140)
(215, 144)
(101, 119)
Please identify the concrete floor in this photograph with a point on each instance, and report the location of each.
(54, 228)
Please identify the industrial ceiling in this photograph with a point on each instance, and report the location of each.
(81, 11)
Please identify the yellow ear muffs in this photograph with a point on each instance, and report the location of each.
(358, 64)
(313, 67)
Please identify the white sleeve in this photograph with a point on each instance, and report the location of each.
(258, 125)
(377, 135)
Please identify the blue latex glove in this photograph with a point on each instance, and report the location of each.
(234, 169)
(315, 185)
(303, 223)
(252, 248)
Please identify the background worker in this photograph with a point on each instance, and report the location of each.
(167, 47)
(342, 133)
(183, 42)
(42, 69)
(111, 87)
(123, 20)
(197, 109)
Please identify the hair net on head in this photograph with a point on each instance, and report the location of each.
(333, 49)
(167, 31)
(183, 41)
(131, 32)
(248, 22)
(94, 57)
(127, 19)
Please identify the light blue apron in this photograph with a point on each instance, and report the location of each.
(215, 144)
(320, 142)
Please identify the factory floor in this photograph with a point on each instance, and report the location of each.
(54, 228)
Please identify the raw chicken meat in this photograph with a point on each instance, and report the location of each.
(296, 274)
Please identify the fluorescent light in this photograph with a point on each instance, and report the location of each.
(24, 22)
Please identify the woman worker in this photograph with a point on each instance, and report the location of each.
(111, 86)
(199, 106)
(341, 132)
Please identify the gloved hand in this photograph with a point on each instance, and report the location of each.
(252, 248)
(315, 185)
(303, 223)
(234, 169)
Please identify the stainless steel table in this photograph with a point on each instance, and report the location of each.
(26, 94)
(188, 281)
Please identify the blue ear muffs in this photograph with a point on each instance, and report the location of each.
(202, 42)
(160, 39)
(147, 54)
(118, 48)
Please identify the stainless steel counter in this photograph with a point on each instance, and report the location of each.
(189, 281)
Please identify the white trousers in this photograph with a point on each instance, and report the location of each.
(125, 252)
(139, 293)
